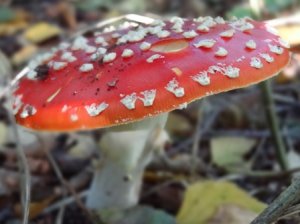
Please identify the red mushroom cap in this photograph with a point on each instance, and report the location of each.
(132, 73)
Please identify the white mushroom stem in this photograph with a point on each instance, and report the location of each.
(125, 152)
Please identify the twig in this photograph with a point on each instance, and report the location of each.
(286, 100)
(280, 204)
(64, 202)
(288, 210)
(287, 87)
(291, 211)
(164, 164)
(23, 167)
(181, 146)
(271, 174)
(25, 178)
(247, 134)
(202, 127)
(197, 138)
(68, 186)
(60, 215)
(183, 167)
(273, 121)
(24, 170)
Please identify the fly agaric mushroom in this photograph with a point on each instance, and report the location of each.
(139, 74)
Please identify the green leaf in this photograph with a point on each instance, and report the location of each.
(90, 5)
(137, 215)
(203, 201)
(228, 152)
(240, 11)
(5, 68)
(6, 14)
(178, 124)
(274, 6)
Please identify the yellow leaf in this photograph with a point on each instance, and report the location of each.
(203, 200)
(15, 25)
(10, 28)
(290, 33)
(35, 208)
(41, 32)
(24, 54)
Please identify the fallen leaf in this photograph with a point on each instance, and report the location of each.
(178, 124)
(293, 159)
(240, 11)
(24, 55)
(203, 201)
(275, 6)
(18, 22)
(290, 33)
(84, 146)
(229, 213)
(5, 69)
(6, 14)
(35, 207)
(41, 32)
(228, 152)
(3, 133)
(11, 27)
(89, 5)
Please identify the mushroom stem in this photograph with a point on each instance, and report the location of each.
(125, 152)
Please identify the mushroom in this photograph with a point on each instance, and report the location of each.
(127, 80)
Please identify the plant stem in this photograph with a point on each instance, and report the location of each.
(280, 204)
(274, 124)
(289, 196)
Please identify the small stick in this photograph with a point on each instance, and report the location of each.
(23, 164)
(64, 202)
(69, 187)
(210, 118)
(24, 170)
(280, 204)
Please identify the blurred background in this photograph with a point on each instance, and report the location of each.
(224, 137)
